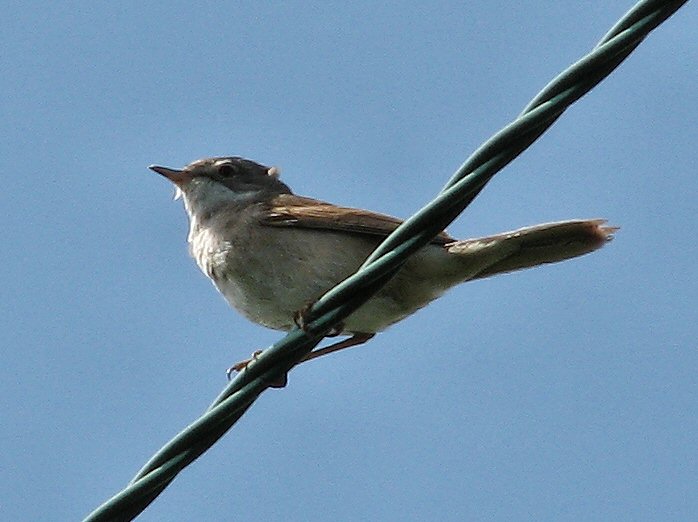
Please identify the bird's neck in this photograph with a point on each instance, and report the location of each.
(202, 197)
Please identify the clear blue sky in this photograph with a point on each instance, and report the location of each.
(568, 392)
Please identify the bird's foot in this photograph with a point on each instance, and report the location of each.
(355, 340)
(242, 365)
(300, 318)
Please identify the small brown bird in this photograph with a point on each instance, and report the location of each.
(271, 253)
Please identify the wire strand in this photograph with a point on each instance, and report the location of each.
(465, 184)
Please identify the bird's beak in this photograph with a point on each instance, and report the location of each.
(178, 177)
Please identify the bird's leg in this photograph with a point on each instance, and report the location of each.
(299, 318)
(354, 340)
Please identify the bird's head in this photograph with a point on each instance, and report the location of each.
(208, 183)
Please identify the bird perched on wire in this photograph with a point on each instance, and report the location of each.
(272, 253)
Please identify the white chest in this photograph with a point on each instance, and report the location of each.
(208, 249)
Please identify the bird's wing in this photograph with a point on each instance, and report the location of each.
(289, 210)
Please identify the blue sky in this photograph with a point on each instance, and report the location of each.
(567, 392)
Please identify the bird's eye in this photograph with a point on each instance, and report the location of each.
(226, 170)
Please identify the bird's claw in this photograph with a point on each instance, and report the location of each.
(300, 318)
(240, 366)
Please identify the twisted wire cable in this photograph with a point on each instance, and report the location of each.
(467, 182)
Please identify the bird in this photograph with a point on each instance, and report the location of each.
(272, 253)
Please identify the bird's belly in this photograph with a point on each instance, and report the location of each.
(278, 313)
(271, 290)
(273, 298)
(270, 307)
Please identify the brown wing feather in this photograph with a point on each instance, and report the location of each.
(289, 210)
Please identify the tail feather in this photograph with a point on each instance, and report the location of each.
(532, 246)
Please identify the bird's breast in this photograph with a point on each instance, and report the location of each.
(208, 249)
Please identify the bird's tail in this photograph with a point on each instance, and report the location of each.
(531, 246)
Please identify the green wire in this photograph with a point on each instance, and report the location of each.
(386, 260)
